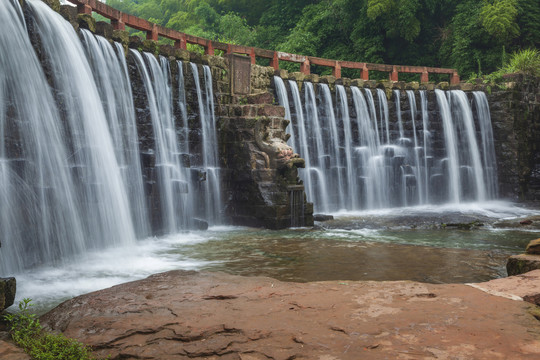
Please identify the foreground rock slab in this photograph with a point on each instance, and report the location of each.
(186, 315)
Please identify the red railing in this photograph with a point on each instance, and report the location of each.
(120, 20)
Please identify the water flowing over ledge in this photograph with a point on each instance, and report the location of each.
(357, 159)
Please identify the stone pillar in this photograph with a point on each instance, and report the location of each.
(152, 34)
(454, 79)
(424, 77)
(209, 49)
(252, 56)
(305, 67)
(394, 74)
(275, 61)
(336, 71)
(181, 43)
(364, 73)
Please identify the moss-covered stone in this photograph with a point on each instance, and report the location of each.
(217, 61)
(182, 54)
(135, 42)
(413, 85)
(86, 21)
(519, 264)
(166, 50)
(104, 29)
(69, 13)
(53, 4)
(120, 36)
(298, 76)
(444, 85)
(314, 78)
(282, 73)
(8, 288)
(150, 46)
(357, 82)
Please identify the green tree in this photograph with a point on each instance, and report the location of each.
(499, 19)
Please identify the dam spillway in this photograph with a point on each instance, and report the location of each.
(437, 148)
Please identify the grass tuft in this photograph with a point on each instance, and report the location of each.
(27, 332)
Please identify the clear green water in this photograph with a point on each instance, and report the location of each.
(377, 247)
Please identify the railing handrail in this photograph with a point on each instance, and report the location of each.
(119, 20)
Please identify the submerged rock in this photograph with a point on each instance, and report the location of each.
(322, 217)
(200, 224)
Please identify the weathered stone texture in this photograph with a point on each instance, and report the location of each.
(533, 247)
(515, 117)
(8, 287)
(187, 315)
(519, 264)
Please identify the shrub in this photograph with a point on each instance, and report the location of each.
(28, 333)
(525, 61)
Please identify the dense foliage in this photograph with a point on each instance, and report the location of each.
(473, 36)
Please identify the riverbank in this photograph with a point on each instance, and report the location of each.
(180, 315)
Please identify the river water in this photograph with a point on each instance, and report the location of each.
(401, 244)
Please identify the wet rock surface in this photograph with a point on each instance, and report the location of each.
(526, 223)
(181, 315)
(421, 220)
(519, 264)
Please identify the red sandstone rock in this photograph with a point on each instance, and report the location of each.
(533, 247)
(8, 351)
(181, 315)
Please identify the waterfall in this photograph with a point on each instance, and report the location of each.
(419, 180)
(356, 158)
(343, 113)
(488, 147)
(302, 139)
(427, 143)
(335, 160)
(61, 189)
(173, 186)
(319, 190)
(283, 100)
(209, 184)
(469, 152)
(371, 162)
(111, 76)
(383, 111)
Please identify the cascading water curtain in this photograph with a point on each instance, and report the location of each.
(61, 190)
(357, 158)
(111, 75)
(209, 182)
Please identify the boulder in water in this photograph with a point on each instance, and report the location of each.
(200, 224)
(322, 217)
(8, 287)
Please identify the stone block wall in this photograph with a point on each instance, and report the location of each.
(515, 114)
